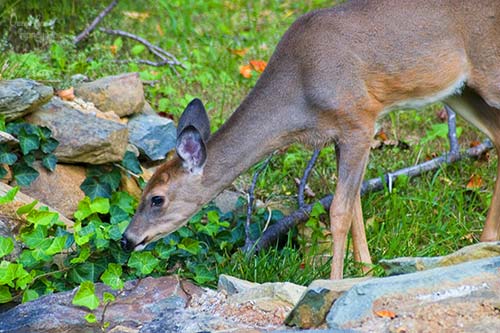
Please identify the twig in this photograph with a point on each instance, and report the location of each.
(251, 199)
(305, 176)
(452, 135)
(166, 57)
(95, 22)
(375, 184)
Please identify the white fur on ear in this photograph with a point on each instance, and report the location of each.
(191, 149)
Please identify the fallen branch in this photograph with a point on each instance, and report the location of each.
(95, 22)
(166, 57)
(305, 176)
(270, 236)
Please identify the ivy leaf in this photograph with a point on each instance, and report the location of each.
(34, 238)
(49, 145)
(118, 215)
(5, 295)
(26, 208)
(100, 205)
(2, 123)
(86, 272)
(49, 162)
(9, 196)
(125, 201)
(112, 178)
(28, 142)
(85, 296)
(90, 318)
(131, 163)
(29, 295)
(6, 246)
(112, 276)
(143, 261)
(58, 244)
(137, 49)
(116, 231)
(41, 217)
(190, 245)
(108, 297)
(7, 158)
(93, 189)
(24, 174)
(82, 256)
(202, 275)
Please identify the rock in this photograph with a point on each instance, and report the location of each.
(451, 298)
(123, 94)
(79, 78)
(7, 139)
(147, 109)
(279, 291)
(227, 201)
(317, 300)
(140, 303)
(409, 265)
(83, 138)
(155, 136)
(231, 285)
(23, 199)
(129, 184)
(20, 96)
(59, 189)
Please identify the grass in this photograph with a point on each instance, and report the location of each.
(432, 215)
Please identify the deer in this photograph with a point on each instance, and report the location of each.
(334, 73)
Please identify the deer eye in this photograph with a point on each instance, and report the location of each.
(157, 201)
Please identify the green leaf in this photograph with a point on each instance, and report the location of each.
(90, 318)
(118, 43)
(28, 142)
(130, 162)
(7, 273)
(112, 178)
(24, 174)
(112, 276)
(86, 272)
(82, 256)
(26, 208)
(108, 297)
(5, 295)
(143, 261)
(40, 217)
(118, 215)
(58, 244)
(125, 201)
(115, 231)
(29, 295)
(7, 158)
(85, 296)
(49, 162)
(9, 196)
(100, 205)
(49, 145)
(58, 55)
(190, 245)
(35, 238)
(6, 246)
(202, 275)
(94, 189)
(2, 123)
(23, 278)
(137, 49)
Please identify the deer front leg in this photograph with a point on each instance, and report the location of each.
(361, 251)
(345, 209)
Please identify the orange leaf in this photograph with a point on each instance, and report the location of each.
(113, 49)
(474, 143)
(475, 181)
(159, 30)
(246, 71)
(66, 94)
(258, 65)
(239, 52)
(385, 314)
(381, 135)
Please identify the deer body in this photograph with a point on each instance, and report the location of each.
(333, 74)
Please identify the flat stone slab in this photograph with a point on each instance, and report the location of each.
(21, 96)
(441, 299)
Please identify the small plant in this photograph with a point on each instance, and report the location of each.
(35, 143)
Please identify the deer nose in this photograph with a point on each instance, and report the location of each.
(126, 244)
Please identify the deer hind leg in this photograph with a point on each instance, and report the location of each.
(345, 211)
(487, 118)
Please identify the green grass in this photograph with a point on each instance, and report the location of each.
(431, 215)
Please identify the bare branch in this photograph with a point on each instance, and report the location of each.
(305, 176)
(166, 57)
(375, 184)
(95, 22)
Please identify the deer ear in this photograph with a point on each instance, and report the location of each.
(193, 132)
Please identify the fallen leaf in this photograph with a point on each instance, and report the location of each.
(474, 143)
(475, 181)
(385, 314)
(442, 114)
(159, 30)
(239, 52)
(66, 94)
(246, 71)
(113, 49)
(381, 135)
(258, 65)
(137, 15)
